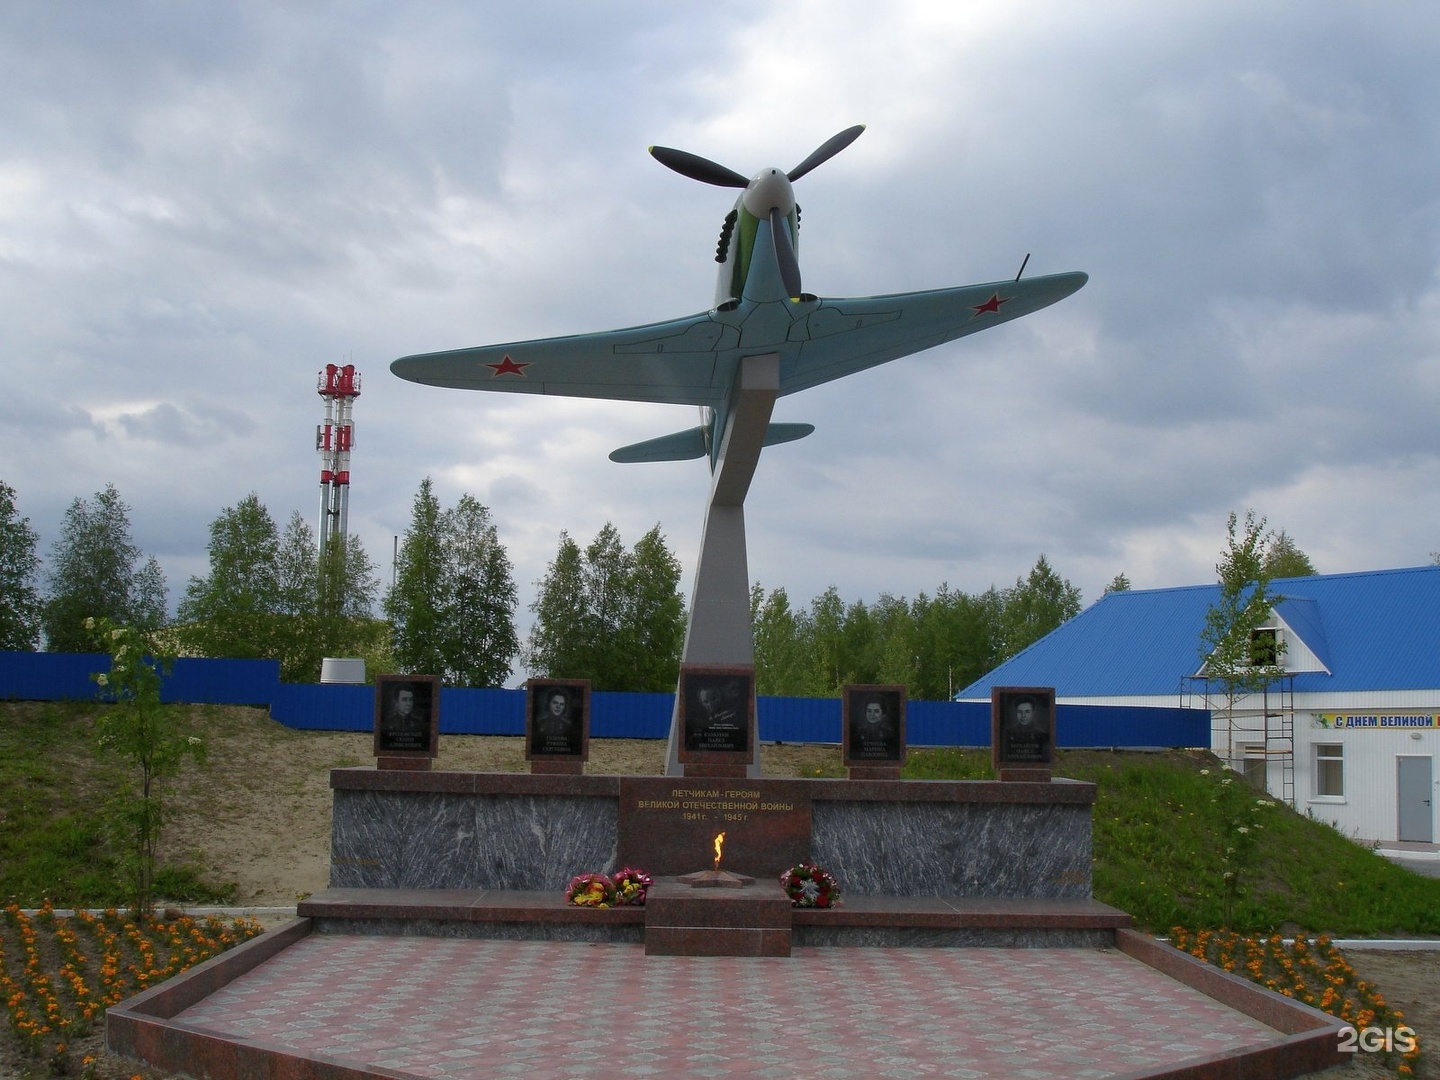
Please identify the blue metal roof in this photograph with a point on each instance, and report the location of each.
(1378, 630)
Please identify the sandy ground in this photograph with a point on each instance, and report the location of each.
(1410, 982)
(258, 815)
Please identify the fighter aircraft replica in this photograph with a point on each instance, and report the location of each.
(764, 338)
(760, 309)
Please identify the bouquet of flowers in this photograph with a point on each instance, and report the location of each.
(630, 886)
(809, 886)
(590, 890)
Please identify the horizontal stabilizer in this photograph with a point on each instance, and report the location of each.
(692, 444)
(776, 434)
(682, 446)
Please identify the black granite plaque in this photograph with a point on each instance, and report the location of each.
(557, 719)
(1022, 721)
(407, 715)
(873, 718)
(717, 714)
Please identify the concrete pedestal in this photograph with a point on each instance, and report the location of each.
(685, 921)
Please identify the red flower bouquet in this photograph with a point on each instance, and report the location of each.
(591, 890)
(631, 886)
(809, 886)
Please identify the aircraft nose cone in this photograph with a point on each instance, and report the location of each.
(769, 189)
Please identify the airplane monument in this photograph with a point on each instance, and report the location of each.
(764, 338)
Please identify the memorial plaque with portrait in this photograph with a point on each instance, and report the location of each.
(873, 724)
(407, 715)
(1022, 722)
(717, 714)
(557, 723)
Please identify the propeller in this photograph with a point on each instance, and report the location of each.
(826, 151)
(769, 185)
(698, 168)
(785, 253)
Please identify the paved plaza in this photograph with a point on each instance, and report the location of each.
(464, 1008)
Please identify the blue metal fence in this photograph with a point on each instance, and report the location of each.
(331, 707)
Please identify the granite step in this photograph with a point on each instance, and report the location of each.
(860, 920)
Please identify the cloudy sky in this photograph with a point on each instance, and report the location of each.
(202, 205)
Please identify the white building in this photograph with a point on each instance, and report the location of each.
(1348, 734)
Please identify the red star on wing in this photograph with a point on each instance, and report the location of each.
(991, 306)
(509, 367)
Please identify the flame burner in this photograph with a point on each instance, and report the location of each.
(716, 878)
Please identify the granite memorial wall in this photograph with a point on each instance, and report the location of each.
(513, 831)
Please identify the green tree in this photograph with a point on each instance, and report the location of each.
(1119, 583)
(96, 572)
(932, 645)
(271, 594)
(297, 568)
(558, 644)
(1284, 559)
(833, 643)
(957, 639)
(346, 581)
(1038, 603)
(606, 577)
(414, 602)
(1234, 650)
(148, 737)
(893, 649)
(612, 616)
(233, 611)
(824, 630)
(452, 605)
(479, 598)
(299, 639)
(781, 659)
(19, 563)
(654, 634)
(340, 617)
(325, 604)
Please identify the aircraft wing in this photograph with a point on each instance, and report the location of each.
(843, 336)
(680, 362)
(692, 361)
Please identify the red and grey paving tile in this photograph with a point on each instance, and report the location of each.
(458, 1008)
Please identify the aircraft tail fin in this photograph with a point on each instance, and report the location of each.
(693, 443)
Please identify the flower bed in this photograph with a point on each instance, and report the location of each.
(58, 974)
(1314, 971)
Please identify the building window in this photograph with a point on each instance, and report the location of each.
(1329, 770)
(1264, 647)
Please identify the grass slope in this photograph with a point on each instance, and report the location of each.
(55, 838)
(1168, 829)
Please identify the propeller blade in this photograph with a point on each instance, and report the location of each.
(825, 152)
(785, 253)
(698, 168)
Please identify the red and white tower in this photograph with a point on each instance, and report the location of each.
(339, 386)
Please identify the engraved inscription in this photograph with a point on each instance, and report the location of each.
(668, 825)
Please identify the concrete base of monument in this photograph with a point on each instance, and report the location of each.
(685, 921)
(859, 921)
(919, 862)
